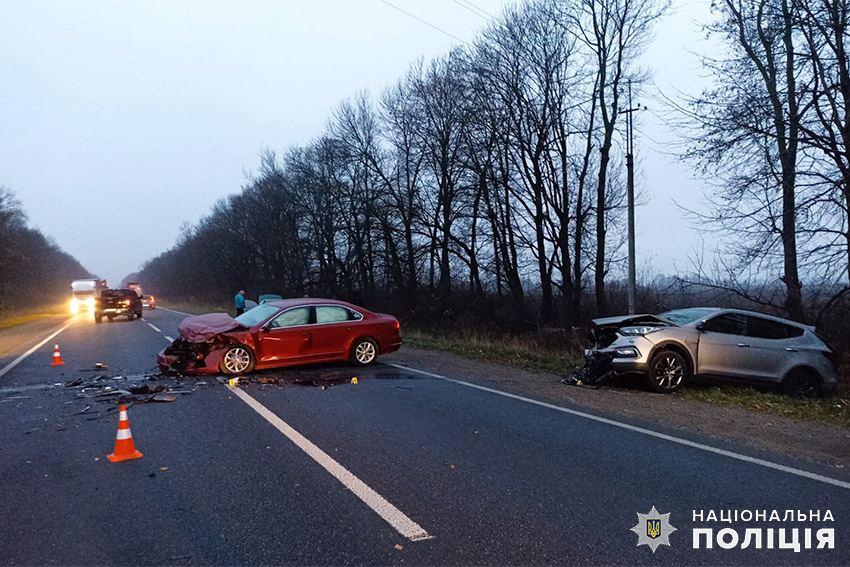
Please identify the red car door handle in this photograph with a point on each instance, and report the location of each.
(306, 336)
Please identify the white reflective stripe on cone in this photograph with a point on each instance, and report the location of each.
(123, 416)
(124, 434)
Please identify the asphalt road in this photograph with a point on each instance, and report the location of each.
(404, 467)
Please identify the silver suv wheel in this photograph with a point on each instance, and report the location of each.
(667, 371)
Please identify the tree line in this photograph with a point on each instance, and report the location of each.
(491, 180)
(34, 271)
(773, 132)
(490, 174)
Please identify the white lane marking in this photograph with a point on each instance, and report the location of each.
(18, 360)
(701, 446)
(169, 339)
(154, 327)
(392, 515)
(174, 311)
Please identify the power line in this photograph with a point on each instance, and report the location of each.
(472, 10)
(418, 19)
(476, 7)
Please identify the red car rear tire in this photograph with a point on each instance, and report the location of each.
(364, 352)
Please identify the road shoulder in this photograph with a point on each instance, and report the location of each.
(15, 340)
(818, 443)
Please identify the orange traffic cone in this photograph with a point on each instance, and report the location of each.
(57, 357)
(124, 447)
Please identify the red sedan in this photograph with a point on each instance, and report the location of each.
(281, 333)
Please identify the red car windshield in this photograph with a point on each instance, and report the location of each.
(257, 315)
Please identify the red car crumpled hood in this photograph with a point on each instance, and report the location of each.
(201, 328)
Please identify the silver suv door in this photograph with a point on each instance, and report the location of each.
(773, 346)
(724, 349)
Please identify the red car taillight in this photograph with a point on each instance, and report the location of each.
(127, 302)
(397, 325)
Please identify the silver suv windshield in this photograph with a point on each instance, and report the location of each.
(685, 316)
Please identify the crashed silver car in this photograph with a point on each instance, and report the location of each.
(728, 344)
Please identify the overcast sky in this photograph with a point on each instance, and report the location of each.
(122, 120)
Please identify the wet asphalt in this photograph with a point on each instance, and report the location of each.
(493, 479)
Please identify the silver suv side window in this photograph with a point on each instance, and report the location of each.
(728, 323)
(768, 329)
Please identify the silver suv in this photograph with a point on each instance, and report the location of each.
(731, 344)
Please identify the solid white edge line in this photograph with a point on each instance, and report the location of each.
(392, 515)
(169, 339)
(154, 327)
(680, 441)
(18, 360)
(173, 311)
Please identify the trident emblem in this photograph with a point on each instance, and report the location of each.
(653, 528)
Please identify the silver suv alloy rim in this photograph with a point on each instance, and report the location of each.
(365, 352)
(668, 372)
(237, 360)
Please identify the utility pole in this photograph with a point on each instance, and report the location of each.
(630, 167)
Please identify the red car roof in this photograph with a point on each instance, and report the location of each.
(298, 301)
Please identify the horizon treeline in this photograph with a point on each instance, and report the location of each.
(490, 174)
(491, 181)
(34, 271)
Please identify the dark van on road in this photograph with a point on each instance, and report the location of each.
(117, 302)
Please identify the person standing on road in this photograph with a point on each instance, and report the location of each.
(239, 300)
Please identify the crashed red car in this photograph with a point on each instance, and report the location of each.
(280, 333)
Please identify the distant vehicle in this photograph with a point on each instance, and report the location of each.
(281, 333)
(116, 303)
(84, 293)
(135, 287)
(266, 297)
(729, 344)
(149, 301)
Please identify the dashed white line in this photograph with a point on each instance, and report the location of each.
(392, 515)
(701, 446)
(154, 327)
(18, 360)
(169, 339)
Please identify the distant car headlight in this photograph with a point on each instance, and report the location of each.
(627, 352)
(74, 306)
(639, 330)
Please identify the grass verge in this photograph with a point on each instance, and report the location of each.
(526, 353)
(511, 351)
(27, 316)
(196, 308)
(832, 410)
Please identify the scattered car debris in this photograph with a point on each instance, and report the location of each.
(98, 388)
